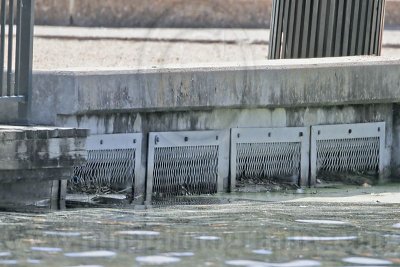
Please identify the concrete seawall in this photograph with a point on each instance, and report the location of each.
(168, 13)
(282, 93)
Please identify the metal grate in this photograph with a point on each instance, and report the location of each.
(347, 148)
(266, 153)
(187, 163)
(112, 163)
(326, 28)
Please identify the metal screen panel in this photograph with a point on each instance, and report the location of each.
(267, 153)
(347, 148)
(187, 163)
(113, 162)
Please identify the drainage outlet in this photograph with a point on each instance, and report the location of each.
(112, 164)
(347, 148)
(270, 153)
(187, 163)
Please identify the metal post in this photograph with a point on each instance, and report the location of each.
(25, 74)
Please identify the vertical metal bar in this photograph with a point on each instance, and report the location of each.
(27, 24)
(322, 28)
(339, 28)
(272, 31)
(373, 27)
(381, 25)
(347, 28)
(285, 29)
(314, 28)
(279, 36)
(354, 27)
(18, 48)
(361, 32)
(331, 28)
(2, 44)
(291, 20)
(368, 33)
(383, 10)
(306, 32)
(298, 29)
(10, 46)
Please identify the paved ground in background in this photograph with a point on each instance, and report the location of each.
(60, 48)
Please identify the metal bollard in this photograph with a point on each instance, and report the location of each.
(326, 28)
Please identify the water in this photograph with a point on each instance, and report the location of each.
(251, 230)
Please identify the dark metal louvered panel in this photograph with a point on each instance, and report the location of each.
(326, 28)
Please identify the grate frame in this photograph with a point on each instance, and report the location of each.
(189, 139)
(346, 132)
(271, 136)
(119, 142)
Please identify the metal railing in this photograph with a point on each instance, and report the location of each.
(16, 47)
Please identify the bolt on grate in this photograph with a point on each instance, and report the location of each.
(112, 164)
(187, 163)
(347, 148)
(269, 153)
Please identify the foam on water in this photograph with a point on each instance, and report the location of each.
(46, 249)
(179, 254)
(321, 238)
(64, 234)
(397, 225)
(323, 222)
(32, 261)
(145, 233)
(157, 260)
(5, 254)
(262, 251)
(297, 263)
(366, 261)
(211, 238)
(91, 254)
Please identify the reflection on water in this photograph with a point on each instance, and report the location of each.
(239, 233)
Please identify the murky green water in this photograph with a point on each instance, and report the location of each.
(242, 233)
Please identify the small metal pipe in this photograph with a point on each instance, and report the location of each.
(10, 47)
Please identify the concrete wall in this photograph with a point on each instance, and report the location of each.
(268, 84)
(167, 13)
(268, 94)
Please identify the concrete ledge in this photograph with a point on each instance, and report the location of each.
(268, 84)
(40, 153)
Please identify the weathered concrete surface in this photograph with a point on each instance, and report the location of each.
(168, 13)
(40, 153)
(154, 13)
(268, 84)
